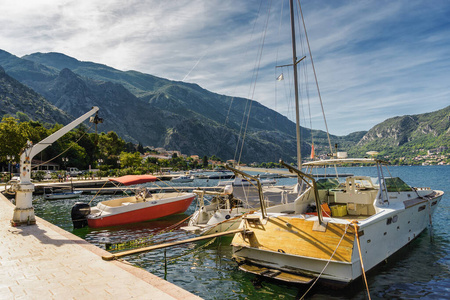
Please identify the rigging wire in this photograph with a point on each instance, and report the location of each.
(305, 72)
(315, 76)
(232, 99)
(258, 62)
(276, 61)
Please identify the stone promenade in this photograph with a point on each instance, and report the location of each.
(43, 261)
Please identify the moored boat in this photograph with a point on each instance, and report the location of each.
(225, 210)
(143, 206)
(183, 178)
(370, 220)
(61, 194)
(239, 181)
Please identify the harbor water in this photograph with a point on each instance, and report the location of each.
(420, 270)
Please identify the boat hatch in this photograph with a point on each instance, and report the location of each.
(276, 274)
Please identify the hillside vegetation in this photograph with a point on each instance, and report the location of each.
(152, 111)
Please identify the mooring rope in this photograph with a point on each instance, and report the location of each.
(355, 224)
(144, 240)
(193, 250)
(328, 262)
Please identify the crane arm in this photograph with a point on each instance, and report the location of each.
(31, 150)
(58, 134)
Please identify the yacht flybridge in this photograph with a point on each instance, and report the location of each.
(371, 218)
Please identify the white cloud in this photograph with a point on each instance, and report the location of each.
(374, 61)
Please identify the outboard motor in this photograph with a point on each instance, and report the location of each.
(79, 213)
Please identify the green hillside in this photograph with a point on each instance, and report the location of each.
(158, 112)
(406, 137)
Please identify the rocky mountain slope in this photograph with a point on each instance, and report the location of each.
(155, 111)
(19, 101)
(407, 133)
(158, 112)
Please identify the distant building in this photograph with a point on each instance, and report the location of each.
(172, 152)
(44, 166)
(160, 150)
(437, 150)
(231, 162)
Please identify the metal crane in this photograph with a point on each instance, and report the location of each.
(24, 210)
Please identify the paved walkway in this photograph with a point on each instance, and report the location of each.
(43, 261)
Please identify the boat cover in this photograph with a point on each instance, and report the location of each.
(134, 179)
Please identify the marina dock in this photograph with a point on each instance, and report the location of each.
(43, 261)
(104, 187)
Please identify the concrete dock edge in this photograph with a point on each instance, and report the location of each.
(43, 261)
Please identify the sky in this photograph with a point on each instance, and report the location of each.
(374, 59)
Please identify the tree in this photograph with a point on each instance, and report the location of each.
(110, 144)
(12, 136)
(140, 148)
(205, 161)
(130, 159)
(215, 158)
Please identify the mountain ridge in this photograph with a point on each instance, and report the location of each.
(16, 98)
(154, 111)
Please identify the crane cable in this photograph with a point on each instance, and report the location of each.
(73, 144)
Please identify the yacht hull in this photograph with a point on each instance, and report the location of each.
(297, 245)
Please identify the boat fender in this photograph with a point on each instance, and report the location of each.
(79, 214)
(228, 189)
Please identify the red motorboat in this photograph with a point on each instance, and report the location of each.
(143, 206)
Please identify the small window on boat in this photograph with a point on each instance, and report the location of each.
(395, 184)
(421, 207)
(389, 221)
(433, 203)
(394, 219)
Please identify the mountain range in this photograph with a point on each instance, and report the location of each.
(153, 111)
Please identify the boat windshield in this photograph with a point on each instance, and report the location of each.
(327, 183)
(395, 184)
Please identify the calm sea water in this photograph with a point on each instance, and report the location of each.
(420, 270)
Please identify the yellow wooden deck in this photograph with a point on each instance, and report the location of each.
(296, 236)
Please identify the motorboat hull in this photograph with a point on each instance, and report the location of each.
(104, 215)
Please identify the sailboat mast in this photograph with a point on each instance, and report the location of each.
(297, 109)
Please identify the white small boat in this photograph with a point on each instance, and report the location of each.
(183, 178)
(61, 194)
(225, 210)
(238, 181)
(223, 213)
(268, 175)
(143, 206)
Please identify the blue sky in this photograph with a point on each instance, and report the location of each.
(374, 59)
